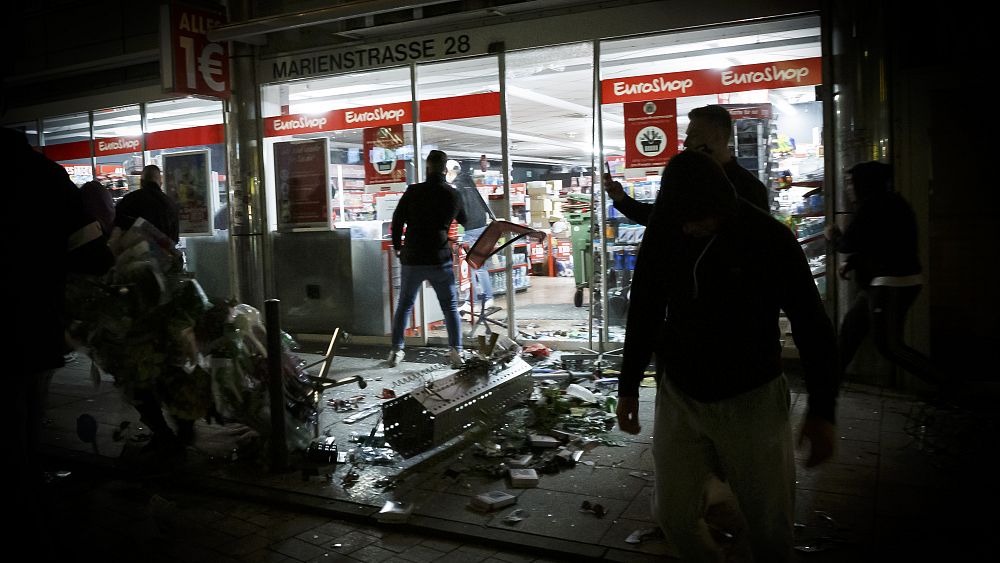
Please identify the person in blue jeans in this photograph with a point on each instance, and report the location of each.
(477, 216)
(426, 210)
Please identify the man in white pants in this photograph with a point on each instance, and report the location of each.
(712, 274)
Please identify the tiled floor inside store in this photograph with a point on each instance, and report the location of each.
(909, 482)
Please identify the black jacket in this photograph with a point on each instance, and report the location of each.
(881, 239)
(52, 235)
(708, 308)
(747, 187)
(150, 203)
(476, 212)
(427, 209)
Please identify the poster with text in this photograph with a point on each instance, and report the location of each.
(381, 163)
(302, 185)
(650, 133)
(187, 179)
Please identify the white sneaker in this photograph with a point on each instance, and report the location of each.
(455, 358)
(488, 303)
(395, 356)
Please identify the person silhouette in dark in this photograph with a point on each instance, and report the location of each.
(880, 245)
(54, 237)
(712, 275)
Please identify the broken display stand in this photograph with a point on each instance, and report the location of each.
(441, 410)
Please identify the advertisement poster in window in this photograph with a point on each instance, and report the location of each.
(381, 163)
(302, 185)
(650, 133)
(187, 179)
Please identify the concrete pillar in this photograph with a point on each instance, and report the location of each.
(249, 243)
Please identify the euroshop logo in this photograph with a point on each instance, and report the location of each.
(378, 114)
(118, 144)
(769, 74)
(657, 85)
(300, 123)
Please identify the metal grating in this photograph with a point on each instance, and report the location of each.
(440, 410)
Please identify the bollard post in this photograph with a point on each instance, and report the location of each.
(276, 386)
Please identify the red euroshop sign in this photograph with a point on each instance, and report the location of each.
(337, 120)
(187, 137)
(438, 109)
(117, 145)
(650, 133)
(67, 151)
(107, 146)
(192, 64)
(782, 74)
(460, 107)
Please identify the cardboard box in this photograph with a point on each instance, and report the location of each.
(493, 500)
(520, 462)
(394, 511)
(523, 478)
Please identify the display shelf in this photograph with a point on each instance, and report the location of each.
(504, 268)
(810, 214)
(810, 238)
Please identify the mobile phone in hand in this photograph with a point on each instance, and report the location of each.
(607, 168)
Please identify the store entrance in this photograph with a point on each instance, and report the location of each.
(549, 94)
(540, 286)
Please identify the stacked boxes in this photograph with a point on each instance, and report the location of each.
(539, 205)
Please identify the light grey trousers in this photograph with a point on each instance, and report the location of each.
(744, 441)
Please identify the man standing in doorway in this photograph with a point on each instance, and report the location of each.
(709, 130)
(427, 210)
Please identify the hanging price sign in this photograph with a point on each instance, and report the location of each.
(190, 63)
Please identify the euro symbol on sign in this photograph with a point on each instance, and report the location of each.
(210, 65)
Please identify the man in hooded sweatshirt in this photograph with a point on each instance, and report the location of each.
(712, 274)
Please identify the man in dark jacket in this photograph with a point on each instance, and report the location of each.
(150, 203)
(709, 130)
(52, 236)
(427, 210)
(882, 252)
(712, 274)
(477, 215)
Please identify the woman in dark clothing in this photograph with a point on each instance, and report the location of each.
(881, 248)
(98, 202)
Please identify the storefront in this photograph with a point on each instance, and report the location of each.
(330, 258)
(531, 110)
(184, 137)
